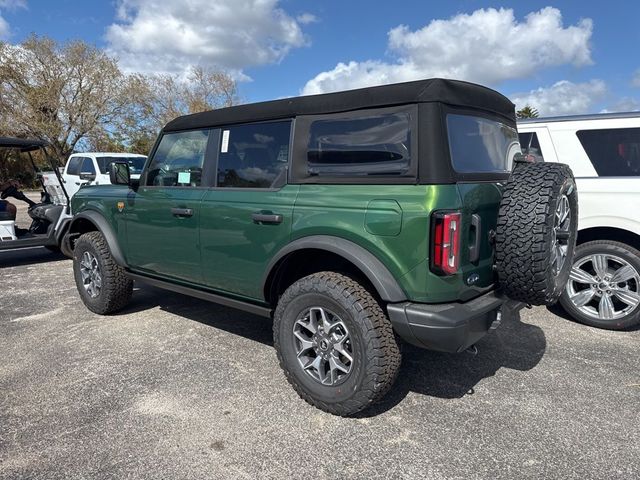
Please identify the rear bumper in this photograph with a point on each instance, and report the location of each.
(450, 327)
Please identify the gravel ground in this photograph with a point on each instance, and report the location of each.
(174, 387)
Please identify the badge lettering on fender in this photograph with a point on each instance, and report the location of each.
(120, 206)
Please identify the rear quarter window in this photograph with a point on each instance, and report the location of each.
(481, 145)
(373, 145)
(613, 152)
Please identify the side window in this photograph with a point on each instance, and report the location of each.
(87, 166)
(614, 152)
(74, 166)
(371, 144)
(531, 147)
(179, 159)
(253, 155)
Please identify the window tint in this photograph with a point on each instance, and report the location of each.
(179, 159)
(614, 152)
(87, 166)
(480, 145)
(74, 166)
(136, 164)
(377, 144)
(253, 156)
(531, 147)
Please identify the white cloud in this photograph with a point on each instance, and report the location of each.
(306, 18)
(487, 46)
(625, 104)
(563, 98)
(13, 4)
(167, 36)
(5, 29)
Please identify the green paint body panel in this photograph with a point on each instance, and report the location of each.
(221, 248)
(235, 249)
(383, 217)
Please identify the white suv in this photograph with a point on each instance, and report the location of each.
(93, 168)
(604, 153)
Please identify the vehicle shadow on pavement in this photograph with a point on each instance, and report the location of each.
(28, 256)
(514, 345)
(250, 326)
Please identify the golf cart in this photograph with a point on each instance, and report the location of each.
(49, 217)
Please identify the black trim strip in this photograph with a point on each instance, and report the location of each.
(204, 295)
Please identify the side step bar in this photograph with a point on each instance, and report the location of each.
(204, 295)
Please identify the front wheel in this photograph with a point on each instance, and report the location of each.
(604, 285)
(102, 284)
(335, 343)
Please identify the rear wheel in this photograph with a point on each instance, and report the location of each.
(604, 285)
(335, 343)
(102, 284)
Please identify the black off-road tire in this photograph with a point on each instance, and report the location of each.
(117, 287)
(616, 249)
(525, 232)
(376, 352)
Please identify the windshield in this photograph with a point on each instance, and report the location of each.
(136, 164)
(480, 145)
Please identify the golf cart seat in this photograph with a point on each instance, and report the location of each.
(46, 211)
(6, 217)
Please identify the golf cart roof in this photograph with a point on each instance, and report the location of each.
(24, 145)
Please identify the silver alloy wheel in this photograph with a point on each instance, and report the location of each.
(323, 345)
(560, 235)
(91, 276)
(604, 286)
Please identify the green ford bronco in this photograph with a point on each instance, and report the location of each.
(355, 220)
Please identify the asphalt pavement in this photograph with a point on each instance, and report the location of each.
(177, 388)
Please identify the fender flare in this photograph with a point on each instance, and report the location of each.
(375, 271)
(103, 226)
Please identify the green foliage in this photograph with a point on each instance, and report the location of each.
(527, 112)
(74, 96)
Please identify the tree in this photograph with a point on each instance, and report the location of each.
(162, 97)
(527, 112)
(59, 93)
(74, 96)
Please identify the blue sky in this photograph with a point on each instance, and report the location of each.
(563, 57)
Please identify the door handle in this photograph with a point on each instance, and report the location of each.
(182, 212)
(476, 226)
(270, 218)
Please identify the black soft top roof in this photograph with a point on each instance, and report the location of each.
(24, 145)
(451, 92)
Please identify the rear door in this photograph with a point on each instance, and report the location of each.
(482, 151)
(246, 217)
(163, 215)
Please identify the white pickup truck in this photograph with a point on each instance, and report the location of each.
(604, 153)
(92, 168)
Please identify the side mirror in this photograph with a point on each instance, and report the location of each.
(119, 174)
(90, 177)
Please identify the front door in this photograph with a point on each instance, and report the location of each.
(163, 216)
(246, 218)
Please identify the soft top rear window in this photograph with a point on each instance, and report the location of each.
(481, 145)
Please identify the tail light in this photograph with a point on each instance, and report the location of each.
(445, 242)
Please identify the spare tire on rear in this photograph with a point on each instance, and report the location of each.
(536, 232)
